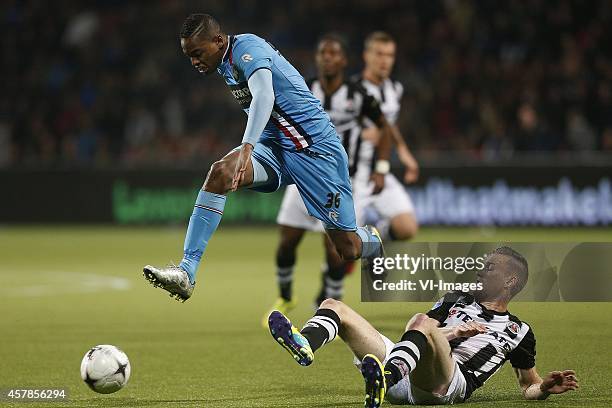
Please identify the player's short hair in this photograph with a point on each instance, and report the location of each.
(337, 38)
(519, 267)
(200, 24)
(378, 36)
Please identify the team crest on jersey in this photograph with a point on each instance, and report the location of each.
(247, 58)
(513, 328)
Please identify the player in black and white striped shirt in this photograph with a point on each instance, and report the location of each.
(391, 213)
(444, 355)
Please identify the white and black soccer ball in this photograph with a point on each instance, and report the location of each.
(105, 369)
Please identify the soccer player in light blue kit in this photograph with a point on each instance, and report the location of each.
(288, 139)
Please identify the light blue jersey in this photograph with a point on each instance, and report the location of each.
(298, 120)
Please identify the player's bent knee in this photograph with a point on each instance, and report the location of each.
(408, 232)
(406, 229)
(333, 304)
(421, 322)
(219, 177)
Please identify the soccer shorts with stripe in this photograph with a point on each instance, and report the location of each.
(320, 173)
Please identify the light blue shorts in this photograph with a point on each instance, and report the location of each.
(320, 173)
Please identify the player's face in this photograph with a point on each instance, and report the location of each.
(379, 58)
(330, 58)
(493, 278)
(205, 54)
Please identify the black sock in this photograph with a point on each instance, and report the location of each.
(332, 283)
(404, 356)
(284, 274)
(322, 328)
(285, 282)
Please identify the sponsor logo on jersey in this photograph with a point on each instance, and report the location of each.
(242, 94)
(247, 58)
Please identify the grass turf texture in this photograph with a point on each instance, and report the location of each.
(211, 351)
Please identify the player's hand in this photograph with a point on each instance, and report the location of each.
(411, 175)
(241, 165)
(379, 182)
(558, 382)
(469, 329)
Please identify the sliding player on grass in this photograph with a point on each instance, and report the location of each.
(444, 355)
(350, 107)
(288, 139)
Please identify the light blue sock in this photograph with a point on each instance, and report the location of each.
(204, 220)
(370, 244)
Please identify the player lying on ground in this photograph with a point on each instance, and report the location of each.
(444, 355)
(351, 107)
(288, 139)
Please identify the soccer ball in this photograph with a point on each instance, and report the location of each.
(105, 369)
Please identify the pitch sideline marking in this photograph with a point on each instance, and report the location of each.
(69, 283)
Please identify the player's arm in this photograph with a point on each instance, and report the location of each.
(382, 166)
(536, 388)
(405, 155)
(260, 109)
(466, 329)
(533, 386)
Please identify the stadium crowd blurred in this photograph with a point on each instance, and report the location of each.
(104, 83)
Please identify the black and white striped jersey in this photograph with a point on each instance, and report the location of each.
(389, 94)
(349, 107)
(479, 357)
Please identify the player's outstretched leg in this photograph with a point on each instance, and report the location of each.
(333, 318)
(375, 384)
(208, 210)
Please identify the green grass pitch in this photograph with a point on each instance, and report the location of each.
(65, 289)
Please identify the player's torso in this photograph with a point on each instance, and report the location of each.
(298, 119)
(485, 353)
(389, 95)
(344, 107)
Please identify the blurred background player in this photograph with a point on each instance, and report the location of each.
(393, 213)
(288, 139)
(349, 106)
(444, 355)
